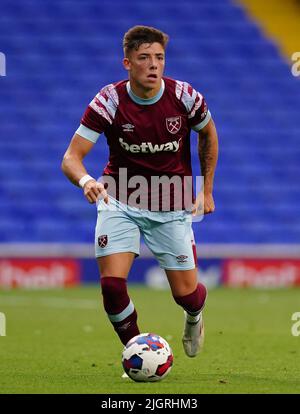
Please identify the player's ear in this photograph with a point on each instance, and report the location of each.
(126, 63)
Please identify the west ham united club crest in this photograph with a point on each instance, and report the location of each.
(173, 124)
(102, 240)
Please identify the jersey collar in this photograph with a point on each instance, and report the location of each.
(142, 101)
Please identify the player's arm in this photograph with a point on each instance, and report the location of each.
(73, 168)
(208, 156)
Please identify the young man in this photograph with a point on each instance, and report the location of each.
(147, 122)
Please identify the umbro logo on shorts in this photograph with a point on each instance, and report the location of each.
(181, 258)
(102, 240)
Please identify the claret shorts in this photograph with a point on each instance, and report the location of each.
(168, 235)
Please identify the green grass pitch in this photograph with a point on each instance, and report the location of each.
(60, 341)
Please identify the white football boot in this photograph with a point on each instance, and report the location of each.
(193, 335)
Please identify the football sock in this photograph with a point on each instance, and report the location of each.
(193, 303)
(119, 308)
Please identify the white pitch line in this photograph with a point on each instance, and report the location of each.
(53, 302)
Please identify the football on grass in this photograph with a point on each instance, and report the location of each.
(147, 357)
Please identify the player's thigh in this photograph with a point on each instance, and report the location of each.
(182, 282)
(172, 244)
(117, 242)
(115, 265)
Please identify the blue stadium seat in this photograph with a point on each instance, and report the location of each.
(59, 59)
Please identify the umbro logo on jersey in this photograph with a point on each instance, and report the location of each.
(148, 147)
(128, 127)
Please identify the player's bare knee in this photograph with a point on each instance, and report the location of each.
(184, 289)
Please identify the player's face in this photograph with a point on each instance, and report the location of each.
(146, 67)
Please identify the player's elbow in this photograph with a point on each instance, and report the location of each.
(65, 163)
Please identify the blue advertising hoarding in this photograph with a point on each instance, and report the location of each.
(145, 270)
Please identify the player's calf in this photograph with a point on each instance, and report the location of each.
(119, 307)
(193, 303)
(193, 334)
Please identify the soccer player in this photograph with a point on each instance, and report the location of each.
(147, 121)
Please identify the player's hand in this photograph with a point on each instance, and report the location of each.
(209, 203)
(204, 204)
(93, 191)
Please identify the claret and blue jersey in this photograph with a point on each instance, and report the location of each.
(148, 133)
(148, 137)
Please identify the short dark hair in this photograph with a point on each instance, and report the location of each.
(138, 35)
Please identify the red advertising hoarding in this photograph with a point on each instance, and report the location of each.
(261, 272)
(39, 273)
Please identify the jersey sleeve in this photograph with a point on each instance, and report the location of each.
(195, 104)
(99, 114)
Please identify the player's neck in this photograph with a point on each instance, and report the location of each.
(143, 93)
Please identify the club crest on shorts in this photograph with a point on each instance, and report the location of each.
(181, 258)
(102, 240)
(173, 124)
